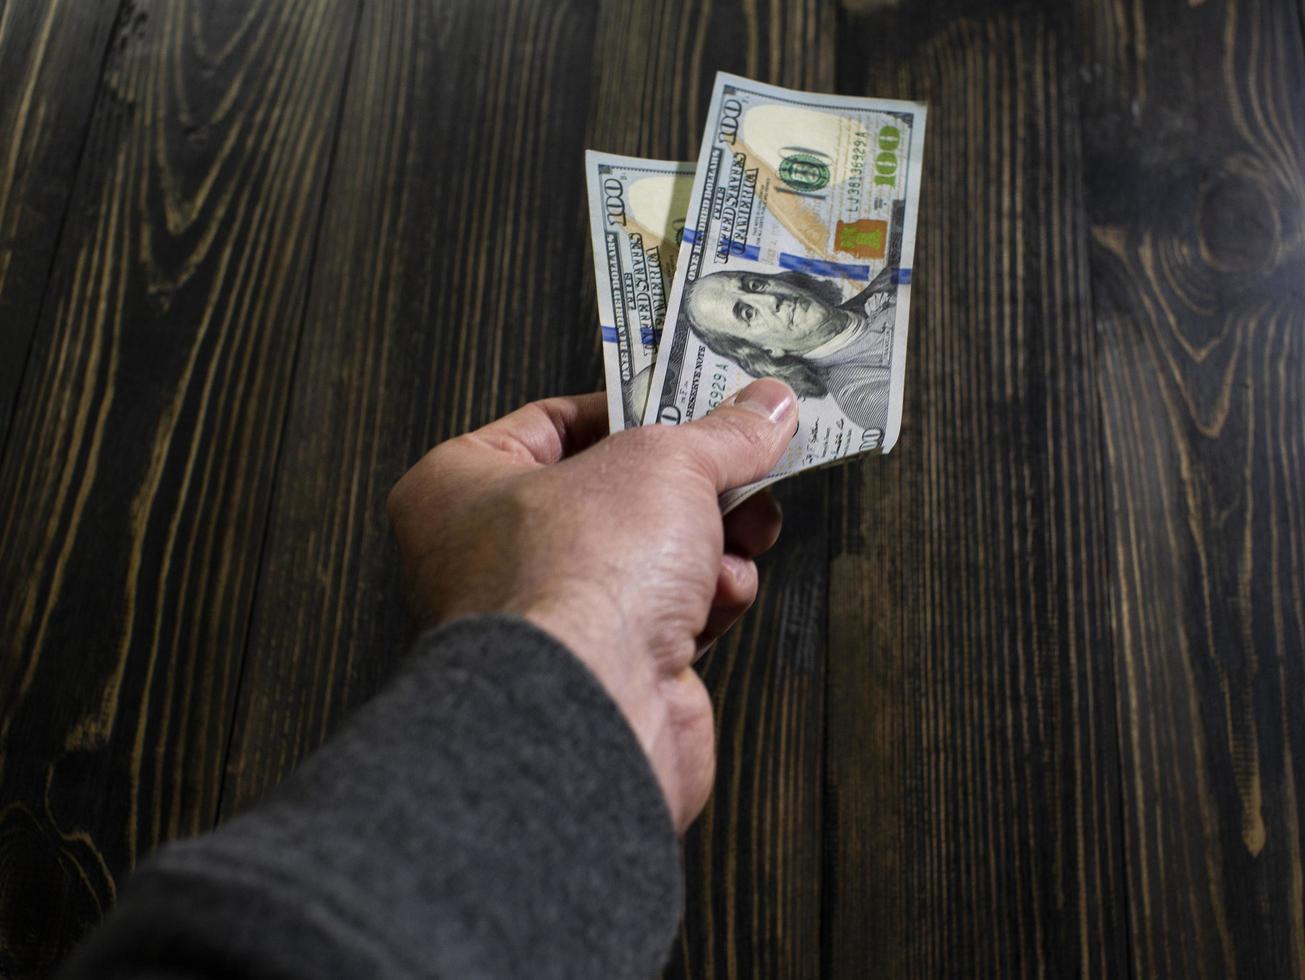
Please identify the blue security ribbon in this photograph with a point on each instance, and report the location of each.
(819, 267)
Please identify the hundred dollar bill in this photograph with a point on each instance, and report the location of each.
(636, 216)
(796, 264)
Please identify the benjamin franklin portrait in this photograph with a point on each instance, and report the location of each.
(798, 328)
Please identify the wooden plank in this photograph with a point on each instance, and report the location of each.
(445, 300)
(134, 489)
(50, 60)
(752, 861)
(971, 759)
(1194, 164)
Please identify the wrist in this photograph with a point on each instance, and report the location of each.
(600, 639)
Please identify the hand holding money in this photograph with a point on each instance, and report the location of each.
(614, 546)
(795, 262)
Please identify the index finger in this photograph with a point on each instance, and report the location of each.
(548, 430)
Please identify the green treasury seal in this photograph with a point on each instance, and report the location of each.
(804, 172)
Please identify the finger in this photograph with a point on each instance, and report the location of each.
(549, 430)
(743, 439)
(736, 590)
(753, 526)
(736, 583)
(689, 710)
(718, 624)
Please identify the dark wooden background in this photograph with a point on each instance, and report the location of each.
(1026, 698)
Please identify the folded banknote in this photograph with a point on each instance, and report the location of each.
(794, 262)
(636, 218)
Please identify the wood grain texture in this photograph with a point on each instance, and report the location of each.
(972, 807)
(51, 55)
(1026, 697)
(1194, 163)
(446, 297)
(135, 484)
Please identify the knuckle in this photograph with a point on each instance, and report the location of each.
(443, 458)
(441, 451)
(422, 481)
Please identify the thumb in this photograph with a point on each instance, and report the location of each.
(743, 439)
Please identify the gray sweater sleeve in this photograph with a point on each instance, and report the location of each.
(490, 814)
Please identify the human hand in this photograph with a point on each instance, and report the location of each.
(614, 546)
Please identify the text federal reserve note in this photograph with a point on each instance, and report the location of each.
(796, 264)
(636, 215)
